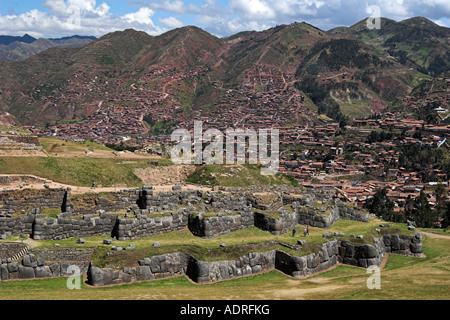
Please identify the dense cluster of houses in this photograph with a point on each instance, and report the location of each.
(266, 98)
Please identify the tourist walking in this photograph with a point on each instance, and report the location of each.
(294, 231)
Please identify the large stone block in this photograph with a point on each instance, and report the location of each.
(416, 247)
(95, 276)
(349, 250)
(43, 272)
(299, 263)
(26, 272)
(13, 266)
(144, 273)
(4, 274)
(367, 251)
(29, 260)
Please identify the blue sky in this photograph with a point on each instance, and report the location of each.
(56, 18)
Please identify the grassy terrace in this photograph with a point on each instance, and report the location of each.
(401, 278)
(237, 176)
(107, 172)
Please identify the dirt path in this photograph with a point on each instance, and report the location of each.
(162, 185)
(434, 235)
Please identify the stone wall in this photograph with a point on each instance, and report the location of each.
(32, 267)
(143, 226)
(330, 254)
(45, 228)
(209, 227)
(206, 214)
(351, 213)
(17, 225)
(64, 254)
(363, 256)
(120, 200)
(299, 266)
(326, 215)
(176, 264)
(17, 200)
(316, 218)
(410, 245)
(12, 251)
(276, 224)
(253, 263)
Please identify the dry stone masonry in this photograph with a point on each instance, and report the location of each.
(330, 254)
(206, 214)
(136, 213)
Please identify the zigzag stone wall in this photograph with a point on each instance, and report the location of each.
(215, 214)
(34, 265)
(143, 226)
(330, 254)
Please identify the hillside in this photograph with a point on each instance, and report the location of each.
(187, 74)
(416, 42)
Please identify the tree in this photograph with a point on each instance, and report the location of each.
(442, 205)
(381, 205)
(446, 217)
(419, 210)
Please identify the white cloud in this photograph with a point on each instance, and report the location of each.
(171, 22)
(142, 16)
(64, 8)
(222, 18)
(82, 17)
(253, 9)
(176, 6)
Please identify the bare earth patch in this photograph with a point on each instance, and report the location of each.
(164, 174)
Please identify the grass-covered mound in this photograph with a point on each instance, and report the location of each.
(237, 176)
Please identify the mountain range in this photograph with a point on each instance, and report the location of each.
(343, 72)
(13, 48)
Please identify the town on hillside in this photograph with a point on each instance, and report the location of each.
(352, 158)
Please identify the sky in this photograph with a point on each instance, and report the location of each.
(58, 18)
